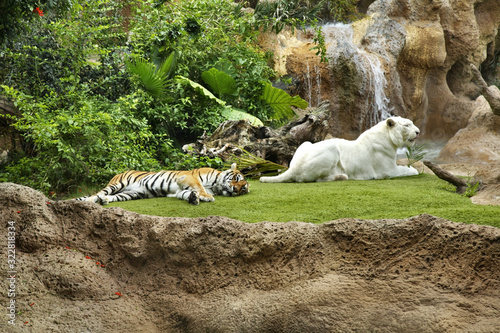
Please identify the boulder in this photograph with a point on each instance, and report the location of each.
(479, 142)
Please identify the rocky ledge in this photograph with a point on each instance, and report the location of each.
(84, 268)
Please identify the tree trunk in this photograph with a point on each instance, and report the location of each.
(277, 146)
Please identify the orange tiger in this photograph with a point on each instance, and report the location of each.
(192, 186)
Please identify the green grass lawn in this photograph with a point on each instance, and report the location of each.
(321, 202)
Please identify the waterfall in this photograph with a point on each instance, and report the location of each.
(342, 47)
(376, 87)
(309, 84)
(317, 72)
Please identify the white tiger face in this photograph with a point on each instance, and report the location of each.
(402, 131)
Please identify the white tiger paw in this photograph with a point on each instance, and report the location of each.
(341, 177)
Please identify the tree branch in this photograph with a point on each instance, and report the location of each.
(460, 184)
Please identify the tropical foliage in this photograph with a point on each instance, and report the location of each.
(15, 14)
(107, 85)
(280, 13)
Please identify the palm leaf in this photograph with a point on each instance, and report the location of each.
(237, 114)
(167, 67)
(153, 83)
(416, 153)
(254, 167)
(220, 82)
(281, 102)
(153, 77)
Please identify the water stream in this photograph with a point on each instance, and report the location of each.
(341, 47)
(312, 81)
(368, 66)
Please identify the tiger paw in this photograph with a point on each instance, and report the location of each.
(193, 198)
(102, 200)
(207, 198)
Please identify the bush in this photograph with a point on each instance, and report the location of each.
(16, 13)
(78, 118)
(206, 34)
(89, 142)
(85, 116)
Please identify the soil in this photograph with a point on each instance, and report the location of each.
(84, 268)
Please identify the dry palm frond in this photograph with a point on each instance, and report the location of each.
(254, 167)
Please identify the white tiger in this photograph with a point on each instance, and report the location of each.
(371, 156)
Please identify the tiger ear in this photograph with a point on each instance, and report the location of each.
(233, 166)
(390, 122)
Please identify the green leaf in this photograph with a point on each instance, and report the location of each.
(198, 87)
(167, 67)
(153, 78)
(416, 153)
(253, 166)
(153, 83)
(281, 102)
(236, 114)
(220, 82)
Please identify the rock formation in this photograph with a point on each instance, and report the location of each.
(424, 51)
(479, 141)
(84, 268)
(490, 93)
(479, 144)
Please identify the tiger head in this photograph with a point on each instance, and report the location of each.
(233, 182)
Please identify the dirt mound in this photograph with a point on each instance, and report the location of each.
(82, 268)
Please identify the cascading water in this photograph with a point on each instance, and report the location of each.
(367, 66)
(377, 84)
(310, 78)
(308, 83)
(317, 72)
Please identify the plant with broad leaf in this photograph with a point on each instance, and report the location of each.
(281, 102)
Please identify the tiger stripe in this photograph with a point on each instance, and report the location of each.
(193, 186)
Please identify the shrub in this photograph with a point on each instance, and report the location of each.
(206, 34)
(85, 116)
(87, 143)
(15, 14)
